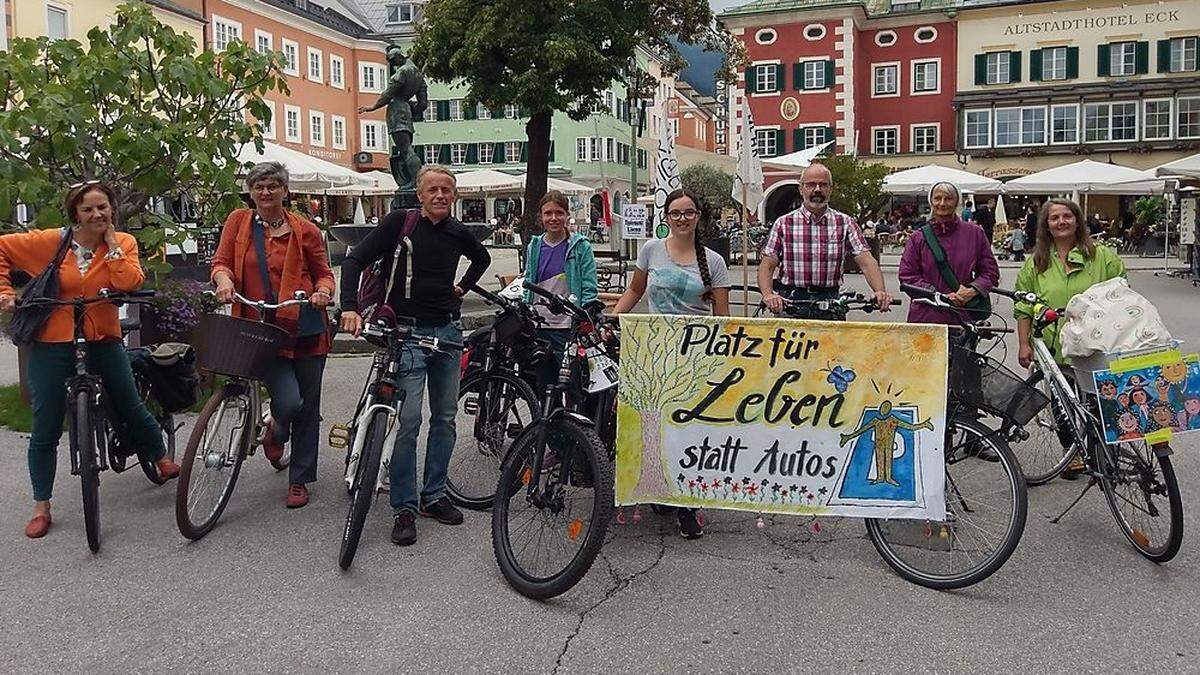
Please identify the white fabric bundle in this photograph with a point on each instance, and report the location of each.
(1110, 317)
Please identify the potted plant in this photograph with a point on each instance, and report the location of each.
(175, 311)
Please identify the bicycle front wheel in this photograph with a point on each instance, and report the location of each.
(545, 541)
(986, 503)
(83, 438)
(362, 492)
(1047, 451)
(495, 408)
(215, 452)
(1143, 495)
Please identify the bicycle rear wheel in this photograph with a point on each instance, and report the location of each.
(213, 459)
(546, 542)
(83, 437)
(495, 408)
(1143, 494)
(986, 503)
(363, 491)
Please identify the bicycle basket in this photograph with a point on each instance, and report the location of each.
(983, 382)
(238, 347)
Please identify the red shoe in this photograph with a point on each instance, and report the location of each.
(167, 468)
(272, 449)
(297, 496)
(38, 526)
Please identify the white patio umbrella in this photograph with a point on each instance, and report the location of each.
(1087, 177)
(1001, 215)
(307, 174)
(1188, 167)
(360, 214)
(918, 181)
(487, 180)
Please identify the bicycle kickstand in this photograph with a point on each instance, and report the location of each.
(1091, 483)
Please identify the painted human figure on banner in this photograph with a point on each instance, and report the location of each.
(885, 448)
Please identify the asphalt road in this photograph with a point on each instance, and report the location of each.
(263, 592)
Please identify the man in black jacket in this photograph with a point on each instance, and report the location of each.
(985, 216)
(426, 294)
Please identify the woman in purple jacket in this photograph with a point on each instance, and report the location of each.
(966, 251)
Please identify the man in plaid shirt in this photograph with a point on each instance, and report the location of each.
(808, 246)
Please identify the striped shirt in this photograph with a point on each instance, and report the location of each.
(811, 249)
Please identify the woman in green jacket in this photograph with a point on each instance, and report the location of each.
(561, 262)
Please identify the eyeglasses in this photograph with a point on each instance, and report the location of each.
(813, 185)
(683, 215)
(266, 187)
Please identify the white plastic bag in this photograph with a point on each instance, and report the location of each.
(1110, 317)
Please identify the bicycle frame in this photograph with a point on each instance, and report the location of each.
(83, 380)
(383, 394)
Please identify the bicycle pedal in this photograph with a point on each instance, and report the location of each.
(339, 436)
(471, 405)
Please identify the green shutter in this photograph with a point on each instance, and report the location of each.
(551, 151)
(468, 111)
(1035, 65)
(1164, 56)
(829, 74)
(797, 139)
(1141, 58)
(472, 153)
(524, 151)
(419, 151)
(1072, 63)
(522, 112)
(980, 70)
(780, 142)
(780, 77)
(829, 137)
(498, 113)
(797, 76)
(751, 79)
(1014, 66)
(444, 154)
(443, 110)
(1103, 60)
(498, 153)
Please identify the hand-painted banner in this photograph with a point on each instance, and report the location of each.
(782, 416)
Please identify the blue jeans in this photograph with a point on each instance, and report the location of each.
(442, 372)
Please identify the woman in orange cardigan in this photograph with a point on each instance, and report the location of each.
(99, 257)
(296, 261)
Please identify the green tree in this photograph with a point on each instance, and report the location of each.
(713, 186)
(858, 186)
(137, 107)
(546, 56)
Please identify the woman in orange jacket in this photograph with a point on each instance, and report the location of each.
(295, 261)
(99, 257)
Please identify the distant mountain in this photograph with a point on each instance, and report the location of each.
(702, 66)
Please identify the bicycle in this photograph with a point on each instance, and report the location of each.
(377, 411)
(1130, 474)
(840, 306)
(554, 498)
(233, 421)
(95, 432)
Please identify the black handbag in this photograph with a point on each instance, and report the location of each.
(312, 320)
(27, 320)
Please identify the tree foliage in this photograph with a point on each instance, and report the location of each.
(138, 107)
(857, 185)
(714, 186)
(550, 56)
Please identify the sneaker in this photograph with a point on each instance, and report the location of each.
(443, 511)
(404, 529)
(167, 468)
(272, 449)
(689, 525)
(297, 496)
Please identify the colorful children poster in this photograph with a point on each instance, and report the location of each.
(1149, 397)
(784, 416)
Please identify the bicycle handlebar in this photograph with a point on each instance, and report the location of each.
(845, 301)
(558, 305)
(104, 295)
(402, 333)
(300, 299)
(1017, 296)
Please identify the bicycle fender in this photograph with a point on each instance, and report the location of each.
(1162, 449)
(578, 418)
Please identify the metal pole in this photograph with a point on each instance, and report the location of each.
(745, 255)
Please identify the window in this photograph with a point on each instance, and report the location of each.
(765, 78)
(512, 152)
(814, 73)
(581, 149)
(765, 36)
(1124, 121)
(316, 128)
(998, 64)
(1110, 122)
(486, 152)
(766, 142)
(642, 158)
(885, 38)
(905, 5)
(511, 111)
(370, 77)
(811, 137)
(372, 137)
(887, 141)
(430, 114)
(1157, 119)
(925, 77)
(400, 13)
(315, 61)
(925, 138)
(458, 154)
(337, 124)
(925, 34)
(268, 131)
(887, 80)
(1183, 55)
(1095, 123)
(814, 32)
(1122, 59)
(291, 57)
(1189, 118)
(482, 112)
(675, 127)
(337, 72)
(610, 149)
(58, 22)
(595, 150)
(431, 154)
(979, 129)
(1020, 126)
(1064, 124)
(224, 30)
(1054, 63)
(456, 111)
(291, 124)
(264, 42)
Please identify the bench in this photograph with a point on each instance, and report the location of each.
(610, 275)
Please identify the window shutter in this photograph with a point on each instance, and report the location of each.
(472, 153)
(468, 111)
(751, 79)
(444, 154)
(829, 74)
(1103, 61)
(1072, 63)
(780, 142)
(1142, 58)
(1014, 66)
(524, 151)
(443, 110)
(551, 151)
(829, 137)
(797, 139)
(498, 113)
(522, 112)
(1164, 56)
(1035, 65)
(797, 76)
(980, 69)
(498, 153)
(419, 151)
(780, 77)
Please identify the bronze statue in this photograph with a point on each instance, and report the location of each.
(406, 98)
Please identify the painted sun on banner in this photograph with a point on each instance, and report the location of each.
(782, 416)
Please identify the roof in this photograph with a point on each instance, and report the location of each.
(873, 8)
(177, 8)
(340, 15)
